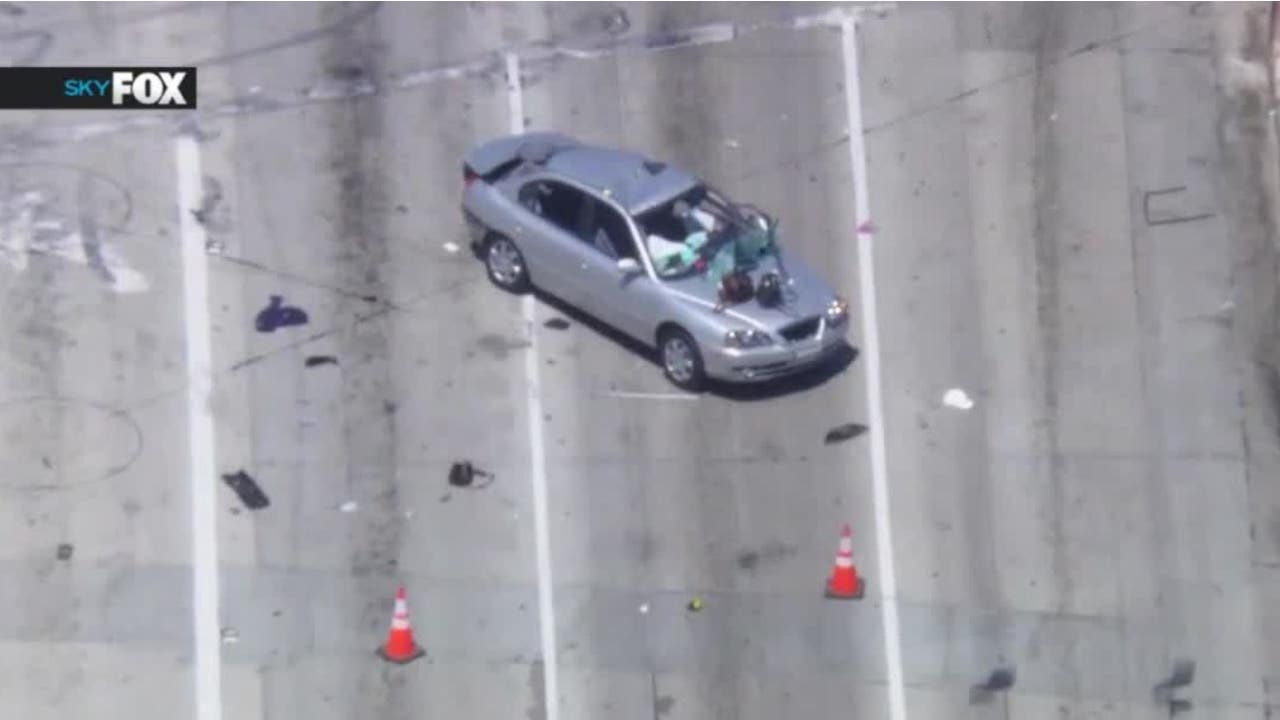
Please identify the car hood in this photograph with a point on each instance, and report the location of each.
(806, 295)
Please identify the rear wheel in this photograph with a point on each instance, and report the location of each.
(681, 359)
(505, 264)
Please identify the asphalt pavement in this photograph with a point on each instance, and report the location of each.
(1071, 221)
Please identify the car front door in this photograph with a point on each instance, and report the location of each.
(626, 301)
(551, 239)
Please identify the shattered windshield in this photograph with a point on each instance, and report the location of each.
(700, 233)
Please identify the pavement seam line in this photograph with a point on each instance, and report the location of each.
(875, 401)
(201, 438)
(537, 450)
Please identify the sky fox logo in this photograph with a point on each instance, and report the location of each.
(161, 88)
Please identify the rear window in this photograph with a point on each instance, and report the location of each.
(501, 171)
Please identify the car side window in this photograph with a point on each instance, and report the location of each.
(554, 202)
(610, 234)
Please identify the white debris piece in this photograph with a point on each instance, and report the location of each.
(451, 248)
(731, 143)
(644, 608)
(349, 506)
(957, 398)
(230, 635)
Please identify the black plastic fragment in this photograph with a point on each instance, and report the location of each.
(277, 315)
(1000, 680)
(317, 360)
(65, 550)
(844, 432)
(557, 324)
(247, 489)
(463, 474)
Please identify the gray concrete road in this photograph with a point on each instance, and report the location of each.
(1107, 506)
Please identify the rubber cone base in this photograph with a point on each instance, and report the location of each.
(417, 653)
(862, 587)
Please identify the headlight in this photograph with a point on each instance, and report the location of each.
(747, 338)
(837, 311)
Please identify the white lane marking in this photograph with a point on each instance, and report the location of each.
(875, 402)
(200, 428)
(537, 450)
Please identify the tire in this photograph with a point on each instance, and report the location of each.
(505, 265)
(681, 360)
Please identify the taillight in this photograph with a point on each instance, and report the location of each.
(468, 176)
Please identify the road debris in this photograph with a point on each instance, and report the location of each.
(451, 247)
(840, 433)
(317, 360)
(349, 506)
(247, 489)
(999, 680)
(230, 635)
(644, 608)
(695, 605)
(65, 550)
(731, 143)
(277, 315)
(463, 474)
(556, 323)
(957, 398)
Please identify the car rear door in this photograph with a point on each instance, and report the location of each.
(550, 237)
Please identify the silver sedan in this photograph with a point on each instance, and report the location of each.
(653, 252)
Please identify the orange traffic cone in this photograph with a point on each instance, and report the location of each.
(845, 583)
(400, 647)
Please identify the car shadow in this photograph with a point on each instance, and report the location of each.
(808, 379)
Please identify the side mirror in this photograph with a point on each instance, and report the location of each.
(628, 266)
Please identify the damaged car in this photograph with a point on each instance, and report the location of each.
(652, 251)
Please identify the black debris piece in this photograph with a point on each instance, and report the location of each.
(247, 489)
(844, 432)
(369, 298)
(65, 550)
(45, 461)
(402, 209)
(1000, 680)
(277, 315)
(463, 474)
(345, 72)
(317, 360)
(557, 324)
(1184, 672)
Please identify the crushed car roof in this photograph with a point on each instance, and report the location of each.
(632, 180)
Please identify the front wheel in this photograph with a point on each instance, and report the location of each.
(505, 264)
(681, 360)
